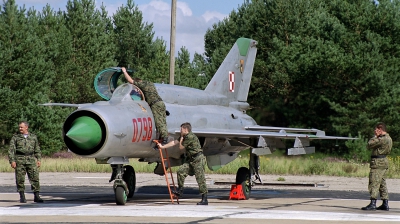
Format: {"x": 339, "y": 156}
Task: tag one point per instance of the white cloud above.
{"x": 190, "y": 30}
{"x": 184, "y": 7}
{"x": 213, "y": 15}
{"x": 160, "y": 6}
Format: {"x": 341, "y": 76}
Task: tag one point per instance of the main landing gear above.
{"x": 247, "y": 177}
{"x": 124, "y": 184}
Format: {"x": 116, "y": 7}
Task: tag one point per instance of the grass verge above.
{"x": 268, "y": 165}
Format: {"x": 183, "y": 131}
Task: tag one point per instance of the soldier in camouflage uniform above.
{"x": 155, "y": 102}
{"x": 380, "y": 146}
{"x": 194, "y": 161}
{"x": 24, "y": 156}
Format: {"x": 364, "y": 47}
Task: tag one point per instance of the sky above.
{"x": 193, "y": 17}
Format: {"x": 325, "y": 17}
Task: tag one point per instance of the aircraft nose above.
{"x": 85, "y": 132}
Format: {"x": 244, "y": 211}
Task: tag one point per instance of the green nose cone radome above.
{"x": 85, "y": 132}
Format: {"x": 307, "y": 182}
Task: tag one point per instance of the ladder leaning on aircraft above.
{"x": 168, "y": 171}
{"x": 122, "y": 127}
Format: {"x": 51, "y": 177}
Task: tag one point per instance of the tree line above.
{"x": 326, "y": 64}
{"x": 53, "y": 56}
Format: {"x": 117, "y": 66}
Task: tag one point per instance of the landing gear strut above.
{"x": 124, "y": 184}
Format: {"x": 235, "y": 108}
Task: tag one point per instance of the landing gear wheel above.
{"x": 130, "y": 179}
{"x": 243, "y": 178}
{"x": 120, "y": 196}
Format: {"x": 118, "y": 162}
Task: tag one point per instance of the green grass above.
{"x": 78, "y": 164}
{"x": 277, "y": 165}
{"x": 301, "y": 166}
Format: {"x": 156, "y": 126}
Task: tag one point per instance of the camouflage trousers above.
{"x": 377, "y": 184}
{"x": 33, "y": 175}
{"x": 160, "y": 119}
{"x": 194, "y": 167}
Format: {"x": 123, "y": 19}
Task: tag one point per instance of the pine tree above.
{"x": 198, "y": 67}
{"x": 133, "y": 37}
{"x": 93, "y": 49}
{"x": 24, "y": 77}
{"x": 58, "y": 52}
{"x": 136, "y": 48}
{"x": 331, "y": 65}
{"x": 182, "y": 67}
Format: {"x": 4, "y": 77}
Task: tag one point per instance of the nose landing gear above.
{"x": 124, "y": 184}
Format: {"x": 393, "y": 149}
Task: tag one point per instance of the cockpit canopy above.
{"x": 127, "y": 92}
{"x": 107, "y": 81}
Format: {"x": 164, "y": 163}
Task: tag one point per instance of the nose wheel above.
{"x": 124, "y": 184}
{"x": 120, "y": 195}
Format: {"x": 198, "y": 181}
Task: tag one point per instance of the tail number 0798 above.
{"x": 142, "y": 129}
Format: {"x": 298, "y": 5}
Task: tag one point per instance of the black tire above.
{"x": 243, "y": 178}
{"x": 130, "y": 179}
{"x": 120, "y": 195}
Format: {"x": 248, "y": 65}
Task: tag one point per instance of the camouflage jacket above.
{"x": 149, "y": 91}
{"x": 24, "y": 147}
{"x": 191, "y": 144}
{"x": 381, "y": 145}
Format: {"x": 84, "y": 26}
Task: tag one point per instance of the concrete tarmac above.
{"x": 89, "y": 198}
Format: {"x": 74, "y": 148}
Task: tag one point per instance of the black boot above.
{"x": 371, "y": 206}
{"x": 384, "y": 206}
{"x": 22, "y": 198}
{"x": 178, "y": 192}
{"x": 37, "y": 197}
{"x": 164, "y": 141}
{"x": 204, "y": 200}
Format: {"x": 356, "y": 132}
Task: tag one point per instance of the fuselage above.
{"x": 127, "y": 126}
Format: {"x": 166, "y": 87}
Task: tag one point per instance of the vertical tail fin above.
{"x": 233, "y": 77}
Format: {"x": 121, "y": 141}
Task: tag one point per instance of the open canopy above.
{"x": 107, "y": 81}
